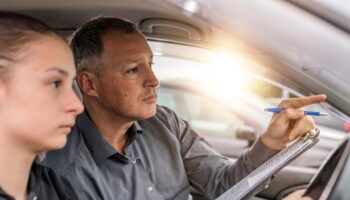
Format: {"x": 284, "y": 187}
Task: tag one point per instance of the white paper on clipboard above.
{"x": 248, "y": 185}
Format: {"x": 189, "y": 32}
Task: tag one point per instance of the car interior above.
{"x": 296, "y": 57}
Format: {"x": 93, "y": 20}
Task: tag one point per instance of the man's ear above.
{"x": 2, "y": 90}
{"x": 87, "y": 82}
{"x": 2, "y": 93}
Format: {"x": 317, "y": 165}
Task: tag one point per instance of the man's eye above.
{"x": 132, "y": 70}
{"x": 56, "y": 83}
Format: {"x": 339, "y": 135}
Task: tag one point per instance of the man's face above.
{"x": 127, "y": 85}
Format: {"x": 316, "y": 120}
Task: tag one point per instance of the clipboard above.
{"x": 254, "y": 182}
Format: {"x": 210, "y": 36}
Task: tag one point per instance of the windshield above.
{"x": 314, "y": 52}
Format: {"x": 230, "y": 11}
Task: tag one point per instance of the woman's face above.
{"x": 37, "y": 104}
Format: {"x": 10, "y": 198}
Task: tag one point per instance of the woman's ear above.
{"x": 87, "y": 82}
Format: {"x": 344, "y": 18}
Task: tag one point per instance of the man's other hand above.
{"x": 297, "y": 195}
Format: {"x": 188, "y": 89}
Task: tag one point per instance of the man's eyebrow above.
{"x": 59, "y": 70}
{"x": 136, "y": 60}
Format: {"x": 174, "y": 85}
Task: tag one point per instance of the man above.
{"x": 125, "y": 147}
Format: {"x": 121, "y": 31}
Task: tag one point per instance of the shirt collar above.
{"x": 4, "y": 195}
{"x": 34, "y": 180}
{"x": 133, "y": 131}
{"x": 33, "y": 187}
{"x": 97, "y": 145}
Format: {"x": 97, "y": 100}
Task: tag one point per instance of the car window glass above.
{"x": 167, "y": 98}
{"x": 205, "y": 116}
{"x": 274, "y": 94}
{"x": 200, "y": 108}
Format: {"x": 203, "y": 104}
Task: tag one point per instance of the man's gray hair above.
{"x": 87, "y": 42}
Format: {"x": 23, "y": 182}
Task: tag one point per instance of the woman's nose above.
{"x": 74, "y": 103}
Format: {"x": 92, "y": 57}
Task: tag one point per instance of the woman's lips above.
{"x": 67, "y": 128}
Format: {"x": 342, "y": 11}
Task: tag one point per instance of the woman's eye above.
{"x": 56, "y": 84}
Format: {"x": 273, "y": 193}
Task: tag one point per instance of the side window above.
{"x": 201, "y": 108}
{"x": 167, "y": 98}
{"x": 206, "y": 116}
{"x": 171, "y": 98}
{"x": 274, "y": 93}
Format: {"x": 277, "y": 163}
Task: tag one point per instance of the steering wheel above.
{"x": 325, "y": 176}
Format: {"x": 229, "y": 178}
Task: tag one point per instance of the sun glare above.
{"x": 221, "y": 74}
{"x": 227, "y": 76}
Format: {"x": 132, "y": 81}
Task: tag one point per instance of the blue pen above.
{"x": 306, "y": 112}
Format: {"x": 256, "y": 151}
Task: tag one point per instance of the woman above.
{"x": 37, "y": 106}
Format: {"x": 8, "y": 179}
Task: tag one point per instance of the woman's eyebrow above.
{"x": 59, "y": 70}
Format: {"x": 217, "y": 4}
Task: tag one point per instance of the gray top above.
{"x": 164, "y": 159}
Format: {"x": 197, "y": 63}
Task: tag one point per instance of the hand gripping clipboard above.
{"x": 251, "y": 184}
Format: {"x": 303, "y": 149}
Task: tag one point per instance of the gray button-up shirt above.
{"x": 164, "y": 159}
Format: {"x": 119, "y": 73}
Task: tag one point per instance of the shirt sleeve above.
{"x": 209, "y": 173}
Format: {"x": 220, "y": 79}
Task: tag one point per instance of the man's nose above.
{"x": 151, "y": 79}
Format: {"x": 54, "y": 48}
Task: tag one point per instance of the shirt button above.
{"x": 133, "y": 161}
{"x": 150, "y": 188}
{"x": 35, "y": 198}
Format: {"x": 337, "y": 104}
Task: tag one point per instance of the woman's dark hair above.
{"x": 16, "y": 31}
